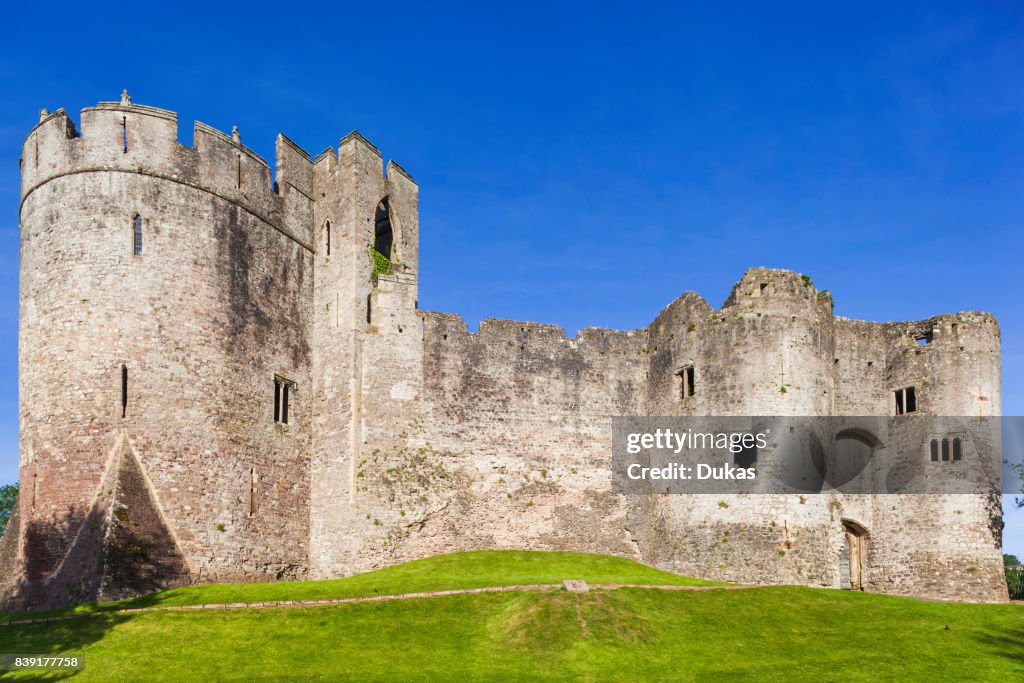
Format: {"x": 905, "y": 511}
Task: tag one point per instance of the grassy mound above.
{"x": 474, "y": 569}
{"x": 630, "y": 634}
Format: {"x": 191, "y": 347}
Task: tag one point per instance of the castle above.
{"x": 225, "y": 375}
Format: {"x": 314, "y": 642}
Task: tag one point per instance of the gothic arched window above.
{"x": 383, "y": 234}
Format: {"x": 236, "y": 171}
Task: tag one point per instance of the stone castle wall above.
{"x": 408, "y": 435}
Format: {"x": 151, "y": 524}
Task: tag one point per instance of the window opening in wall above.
{"x": 327, "y": 229}
{"x": 686, "y": 381}
{"x": 124, "y": 132}
{"x": 423, "y": 329}
{"x": 283, "y": 391}
{"x": 906, "y": 400}
{"x": 35, "y": 488}
{"x": 252, "y": 491}
{"x": 764, "y": 286}
{"x": 369, "y": 310}
{"x": 277, "y": 400}
{"x": 954, "y": 329}
{"x": 945, "y": 450}
{"x": 383, "y": 234}
{"x": 522, "y": 334}
{"x": 137, "y": 235}
{"x": 934, "y": 448}
{"x": 603, "y": 342}
{"x": 239, "y": 171}
{"x": 924, "y": 338}
{"x": 958, "y": 452}
{"x": 124, "y": 391}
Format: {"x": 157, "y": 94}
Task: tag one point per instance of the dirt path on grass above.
{"x": 363, "y": 598}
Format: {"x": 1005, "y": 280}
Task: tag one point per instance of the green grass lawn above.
{"x": 474, "y": 569}
{"x": 630, "y": 634}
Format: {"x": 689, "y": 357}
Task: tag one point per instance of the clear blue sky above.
{"x": 585, "y": 164}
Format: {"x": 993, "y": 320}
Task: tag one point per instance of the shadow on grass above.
{"x": 63, "y": 638}
{"x": 1008, "y": 644}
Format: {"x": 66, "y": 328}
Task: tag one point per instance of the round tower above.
{"x": 163, "y": 357}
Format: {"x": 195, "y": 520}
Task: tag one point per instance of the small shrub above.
{"x": 381, "y": 263}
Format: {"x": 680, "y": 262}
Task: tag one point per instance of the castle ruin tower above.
{"x": 367, "y": 353}
{"x": 164, "y": 299}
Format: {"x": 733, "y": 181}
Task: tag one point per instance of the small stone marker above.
{"x": 575, "y": 586}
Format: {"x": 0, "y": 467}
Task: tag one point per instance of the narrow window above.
{"x": 383, "y": 234}
{"x": 945, "y": 450}
{"x": 764, "y": 286}
{"x": 124, "y": 391}
{"x": 935, "y": 450}
{"x": 277, "y": 400}
{"x": 924, "y": 338}
{"x": 369, "y": 311}
{"x": 911, "y": 400}
{"x": 137, "y": 235}
{"x": 283, "y": 390}
{"x": 686, "y": 381}
{"x": 327, "y": 229}
{"x": 603, "y": 342}
{"x": 252, "y": 491}
{"x": 35, "y": 488}
{"x": 239, "y": 171}
{"x": 958, "y": 452}
{"x": 124, "y": 132}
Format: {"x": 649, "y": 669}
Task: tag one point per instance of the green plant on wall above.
{"x": 381, "y": 263}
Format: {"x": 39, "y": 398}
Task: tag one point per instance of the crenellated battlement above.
{"x": 123, "y": 137}
{"x": 130, "y": 138}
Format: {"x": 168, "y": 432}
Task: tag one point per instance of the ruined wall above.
{"x": 217, "y": 302}
{"x": 764, "y": 352}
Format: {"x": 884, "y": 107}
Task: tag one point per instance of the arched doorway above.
{"x": 854, "y": 553}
